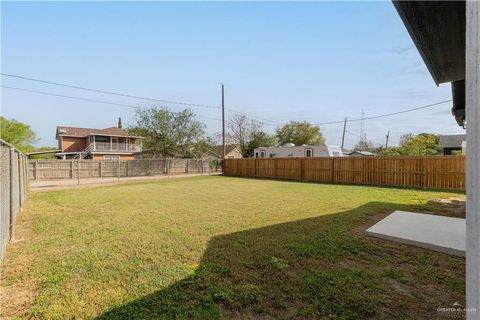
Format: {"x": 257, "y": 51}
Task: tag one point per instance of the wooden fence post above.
{"x": 127, "y": 168}
{"x": 26, "y": 170}
{"x": 26, "y": 173}
{"x": 118, "y": 169}
{"x": 12, "y": 212}
{"x": 100, "y": 165}
{"x": 71, "y": 169}
{"x": 20, "y": 182}
{"x": 424, "y": 179}
{"x": 276, "y": 168}
{"x": 302, "y": 169}
{"x": 78, "y": 171}
{"x": 333, "y": 170}
{"x": 254, "y": 167}
{"x": 35, "y": 173}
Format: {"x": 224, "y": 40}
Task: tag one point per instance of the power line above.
{"x": 265, "y": 121}
{"x": 71, "y": 97}
{"x": 129, "y": 106}
{"x": 135, "y": 96}
{"x": 89, "y": 100}
{"x": 109, "y": 92}
{"x": 374, "y": 117}
{"x": 209, "y": 118}
{"x": 359, "y": 136}
{"x": 388, "y": 114}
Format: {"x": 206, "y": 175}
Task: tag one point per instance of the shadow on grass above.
{"x": 323, "y": 267}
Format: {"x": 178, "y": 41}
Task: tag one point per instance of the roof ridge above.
{"x": 79, "y": 131}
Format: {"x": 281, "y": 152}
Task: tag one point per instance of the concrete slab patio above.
{"x": 443, "y": 234}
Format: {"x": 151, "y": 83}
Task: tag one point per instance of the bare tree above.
{"x": 217, "y": 136}
{"x": 242, "y": 131}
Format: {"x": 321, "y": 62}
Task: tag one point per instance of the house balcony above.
{"x": 116, "y": 147}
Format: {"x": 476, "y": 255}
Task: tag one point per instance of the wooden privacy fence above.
{"x": 70, "y": 169}
{"x": 442, "y": 172}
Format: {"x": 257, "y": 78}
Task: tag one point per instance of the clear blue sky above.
{"x": 317, "y": 61}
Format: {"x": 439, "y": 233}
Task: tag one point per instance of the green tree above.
{"x": 300, "y": 133}
{"x": 423, "y": 144}
{"x": 420, "y": 145}
{"x": 119, "y": 125}
{"x": 260, "y": 139}
{"x": 392, "y": 152}
{"x": 18, "y": 134}
{"x": 168, "y": 133}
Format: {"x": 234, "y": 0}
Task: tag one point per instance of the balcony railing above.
{"x": 116, "y": 147}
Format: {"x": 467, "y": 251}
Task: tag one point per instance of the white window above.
{"x": 308, "y": 153}
{"x": 262, "y": 154}
{"x": 115, "y": 157}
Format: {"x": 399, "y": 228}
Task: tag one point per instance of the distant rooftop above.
{"x": 218, "y": 150}
{"x": 452, "y": 141}
{"x": 84, "y": 132}
{"x": 364, "y": 153}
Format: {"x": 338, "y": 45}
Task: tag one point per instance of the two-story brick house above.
{"x": 99, "y": 144}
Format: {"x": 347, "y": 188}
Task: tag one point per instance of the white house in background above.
{"x": 291, "y": 151}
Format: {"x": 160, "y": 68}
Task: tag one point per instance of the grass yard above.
{"x": 219, "y": 247}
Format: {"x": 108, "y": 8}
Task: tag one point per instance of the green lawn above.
{"x": 219, "y": 247}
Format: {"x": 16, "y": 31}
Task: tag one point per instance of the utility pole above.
{"x": 223, "y": 122}
{"x": 363, "y": 135}
{"x": 344, "y": 129}
{"x": 386, "y": 142}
